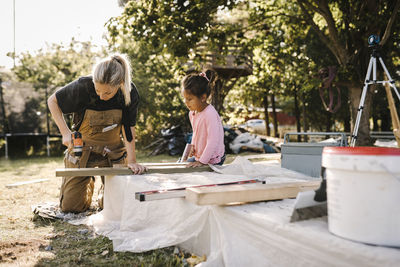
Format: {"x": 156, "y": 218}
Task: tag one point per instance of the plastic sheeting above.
{"x": 257, "y": 234}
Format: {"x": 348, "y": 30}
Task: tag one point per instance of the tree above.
{"x": 333, "y": 33}
{"x": 5, "y": 128}
{"x": 57, "y": 66}
{"x": 174, "y": 27}
{"x": 282, "y": 68}
{"x": 187, "y": 31}
{"x": 343, "y": 27}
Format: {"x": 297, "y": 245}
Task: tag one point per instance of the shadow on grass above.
{"x": 78, "y": 245}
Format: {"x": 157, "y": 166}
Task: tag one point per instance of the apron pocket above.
{"x": 71, "y": 161}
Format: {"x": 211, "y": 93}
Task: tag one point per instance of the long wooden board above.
{"x": 163, "y": 163}
{"x": 247, "y": 193}
{"x": 393, "y": 113}
{"x": 26, "y": 182}
{"x": 180, "y": 191}
{"x": 126, "y": 171}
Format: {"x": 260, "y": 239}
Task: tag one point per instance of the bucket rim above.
{"x": 364, "y": 150}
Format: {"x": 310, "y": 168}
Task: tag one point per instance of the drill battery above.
{"x": 77, "y": 143}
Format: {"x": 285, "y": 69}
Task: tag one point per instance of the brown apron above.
{"x": 103, "y": 147}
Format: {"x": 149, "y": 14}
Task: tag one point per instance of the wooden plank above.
{"x": 126, "y": 171}
{"x": 269, "y": 156}
{"x": 163, "y": 163}
{"x": 158, "y": 164}
{"x": 393, "y": 113}
{"x": 248, "y": 192}
{"x": 180, "y": 191}
{"x": 151, "y": 164}
{"x": 26, "y": 182}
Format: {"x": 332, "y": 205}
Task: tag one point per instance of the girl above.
{"x": 103, "y": 106}
{"x": 208, "y": 134}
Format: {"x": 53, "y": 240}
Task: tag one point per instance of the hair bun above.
{"x": 116, "y": 58}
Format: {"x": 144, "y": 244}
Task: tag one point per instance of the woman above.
{"x": 103, "y": 106}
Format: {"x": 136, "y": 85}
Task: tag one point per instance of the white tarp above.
{"x": 257, "y": 234}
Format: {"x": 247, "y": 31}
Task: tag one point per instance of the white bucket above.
{"x": 363, "y": 190}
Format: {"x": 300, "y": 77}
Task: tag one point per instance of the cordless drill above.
{"x": 77, "y": 143}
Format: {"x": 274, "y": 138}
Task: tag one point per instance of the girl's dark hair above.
{"x": 200, "y": 83}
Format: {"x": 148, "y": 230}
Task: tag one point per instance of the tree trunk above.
{"x": 216, "y": 97}
{"x": 346, "y": 123}
{"x": 328, "y": 122}
{"x": 220, "y": 91}
{"x": 3, "y": 109}
{"x": 266, "y": 113}
{"x": 47, "y": 113}
{"x": 363, "y": 135}
{"x": 305, "y": 120}
{"x": 297, "y": 114}
{"x": 385, "y": 121}
{"x": 275, "y": 118}
{"x": 375, "y": 128}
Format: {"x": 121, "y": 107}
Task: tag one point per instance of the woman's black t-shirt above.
{"x": 80, "y": 95}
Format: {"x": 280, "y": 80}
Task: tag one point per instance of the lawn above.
{"x": 28, "y": 240}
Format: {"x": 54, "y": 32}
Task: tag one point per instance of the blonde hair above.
{"x": 115, "y": 71}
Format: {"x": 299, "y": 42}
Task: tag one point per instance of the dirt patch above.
{"x": 17, "y": 252}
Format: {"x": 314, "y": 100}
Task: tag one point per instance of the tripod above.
{"x": 371, "y": 66}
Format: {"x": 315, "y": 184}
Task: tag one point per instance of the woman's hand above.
{"x": 194, "y": 164}
{"x": 137, "y": 168}
{"x": 67, "y": 139}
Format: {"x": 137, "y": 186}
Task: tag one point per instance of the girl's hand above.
{"x": 137, "y": 168}
{"x": 191, "y": 153}
{"x": 194, "y": 164}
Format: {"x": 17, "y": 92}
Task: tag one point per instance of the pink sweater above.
{"x": 208, "y": 135}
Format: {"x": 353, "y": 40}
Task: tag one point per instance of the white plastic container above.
{"x": 363, "y": 189}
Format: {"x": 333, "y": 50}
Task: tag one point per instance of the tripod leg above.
{"x": 372, "y": 63}
{"x": 359, "y": 113}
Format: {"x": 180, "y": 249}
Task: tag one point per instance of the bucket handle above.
{"x": 389, "y": 171}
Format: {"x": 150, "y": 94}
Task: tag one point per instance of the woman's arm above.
{"x": 59, "y": 119}
{"x": 131, "y": 153}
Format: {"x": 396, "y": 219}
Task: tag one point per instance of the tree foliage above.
{"x": 295, "y": 39}
{"x": 157, "y": 77}
{"x": 343, "y": 27}
{"x": 57, "y": 66}
{"x": 169, "y": 26}
{"x": 165, "y": 40}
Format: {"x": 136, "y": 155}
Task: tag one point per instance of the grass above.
{"x": 28, "y": 240}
